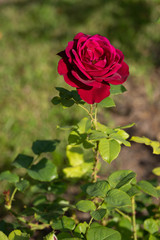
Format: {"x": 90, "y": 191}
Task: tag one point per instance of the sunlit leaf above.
{"x": 156, "y": 171}
{"x": 3, "y": 236}
{"x": 109, "y": 149}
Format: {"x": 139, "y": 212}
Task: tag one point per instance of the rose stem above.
{"x": 134, "y": 218}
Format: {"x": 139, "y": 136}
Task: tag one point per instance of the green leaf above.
{"x": 50, "y": 236}
{"x": 56, "y": 100}
{"x": 107, "y": 102}
{"x": 104, "y": 129}
{"x": 116, "y": 177}
{"x": 67, "y": 236}
{"x": 81, "y": 228}
{"x": 84, "y": 125}
{"x": 22, "y": 185}
{"x": 76, "y": 96}
{"x": 117, "y": 199}
{"x": 109, "y": 149}
{"x": 18, "y": 235}
{"x": 133, "y": 191}
{"x": 64, "y": 93}
{"x": 102, "y": 233}
{"x": 127, "y": 126}
{"x": 147, "y": 188}
{"x": 99, "y": 214}
{"x": 85, "y": 206}
{"x": 122, "y": 133}
{"x": 67, "y": 102}
{"x": 119, "y": 139}
{"x": 76, "y": 138}
{"x": 3, "y": 236}
{"x": 23, "y": 161}
{"x": 44, "y": 170}
{"x": 63, "y": 223}
{"x": 156, "y": 147}
{"x": 44, "y": 146}
{"x": 156, "y": 171}
{"x": 74, "y": 155}
{"x": 117, "y": 89}
{"x": 151, "y": 226}
{"x": 154, "y": 144}
{"x": 98, "y": 189}
{"x": 9, "y": 177}
{"x": 125, "y": 180}
{"x": 96, "y": 135}
{"x": 88, "y": 144}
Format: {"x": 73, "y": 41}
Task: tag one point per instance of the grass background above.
{"x": 33, "y": 31}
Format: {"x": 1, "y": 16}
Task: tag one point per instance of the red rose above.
{"x": 91, "y": 64}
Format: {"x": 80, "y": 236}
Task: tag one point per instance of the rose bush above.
{"x": 91, "y": 64}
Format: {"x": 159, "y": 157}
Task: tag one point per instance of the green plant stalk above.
{"x": 95, "y": 168}
{"x": 9, "y": 204}
{"x": 134, "y": 218}
{"x": 123, "y": 214}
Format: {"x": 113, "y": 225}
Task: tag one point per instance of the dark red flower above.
{"x": 91, "y": 64}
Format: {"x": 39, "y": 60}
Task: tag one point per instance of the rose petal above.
{"x": 62, "y": 67}
{"x": 87, "y": 82}
{"x": 68, "y": 50}
{"x": 94, "y": 95}
{"x": 119, "y": 77}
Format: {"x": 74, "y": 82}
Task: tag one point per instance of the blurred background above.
{"x": 33, "y": 31}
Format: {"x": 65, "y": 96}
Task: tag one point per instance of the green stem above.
{"x": 87, "y": 112}
{"x": 9, "y": 205}
{"x": 134, "y": 219}
{"x": 95, "y": 168}
{"x": 123, "y": 214}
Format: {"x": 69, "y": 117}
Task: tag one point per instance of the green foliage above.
{"x": 44, "y": 146}
{"x": 97, "y": 189}
{"x": 3, "y": 236}
{"x": 9, "y": 177}
{"x": 117, "y": 89}
{"x": 63, "y": 223}
{"x": 151, "y": 226}
{"x": 18, "y": 235}
{"x": 44, "y": 170}
{"x": 22, "y": 161}
{"x": 147, "y": 188}
{"x": 107, "y": 103}
{"x": 85, "y": 206}
{"x": 117, "y": 199}
{"x": 156, "y": 171}
{"x": 109, "y": 149}
{"x": 154, "y": 144}
{"x": 102, "y": 233}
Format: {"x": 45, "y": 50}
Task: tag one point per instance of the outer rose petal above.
{"x": 94, "y": 95}
{"x": 62, "y": 68}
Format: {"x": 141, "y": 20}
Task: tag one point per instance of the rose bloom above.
{"x": 91, "y": 64}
